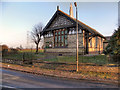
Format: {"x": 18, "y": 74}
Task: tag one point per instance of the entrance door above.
{"x": 87, "y": 41}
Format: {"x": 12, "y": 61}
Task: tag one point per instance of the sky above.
{"x": 18, "y": 18}
{"x": 119, "y": 13}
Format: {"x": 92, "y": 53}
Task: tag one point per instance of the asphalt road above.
{"x": 16, "y": 79}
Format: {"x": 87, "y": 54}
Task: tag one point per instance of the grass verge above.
{"x": 97, "y": 76}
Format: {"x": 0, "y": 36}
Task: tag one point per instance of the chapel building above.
{"x": 60, "y": 36}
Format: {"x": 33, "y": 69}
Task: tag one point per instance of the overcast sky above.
{"x": 20, "y": 17}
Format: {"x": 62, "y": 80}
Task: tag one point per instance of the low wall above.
{"x": 64, "y": 51}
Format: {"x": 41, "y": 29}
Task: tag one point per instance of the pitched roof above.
{"x": 74, "y": 20}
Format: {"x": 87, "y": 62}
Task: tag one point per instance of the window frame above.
{"x": 96, "y": 42}
{"x": 59, "y": 34}
{"x": 91, "y": 43}
{"x": 101, "y": 42}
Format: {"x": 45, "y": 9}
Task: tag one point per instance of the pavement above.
{"x": 21, "y": 80}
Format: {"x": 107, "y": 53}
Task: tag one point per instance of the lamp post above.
{"x": 76, "y": 38}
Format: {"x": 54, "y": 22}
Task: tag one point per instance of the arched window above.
{"x": 80, "y": 31}
{"x": 70, "y": 32}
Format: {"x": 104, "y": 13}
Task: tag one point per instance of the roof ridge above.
{"x": 81, "y": 22}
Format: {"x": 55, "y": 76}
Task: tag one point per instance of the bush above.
{"x": 27, "y": 58}
{"x": 115, "y": 58}
{"x": 12, "y": 50}
{"x": 113, "y": 46}
{"x": 4, "y": 52}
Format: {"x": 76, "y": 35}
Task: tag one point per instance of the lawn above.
{"x": 19, "y": 56}
{"x": 95, "y": 59}
{"x": 99, "y": 59}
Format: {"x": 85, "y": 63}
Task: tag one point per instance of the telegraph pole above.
{"x": 27, "y": 40}
{"x": 76, "y": 37}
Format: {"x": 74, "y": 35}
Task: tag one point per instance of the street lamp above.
{"x": 76, "y": 38}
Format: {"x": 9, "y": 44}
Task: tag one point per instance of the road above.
{"x": 16, "y": 79}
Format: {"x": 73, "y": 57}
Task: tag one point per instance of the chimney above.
{"x": 57, "y": 7}
{"x": 71, "y": 10}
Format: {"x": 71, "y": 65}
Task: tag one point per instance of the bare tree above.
{"x": 36, "y": 35}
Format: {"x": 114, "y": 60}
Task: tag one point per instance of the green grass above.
{"x": 13, "y": 56}
{"x": 22, "y": 55}
{"x": 62, "y": 59}
{"x": 98, "y": 59}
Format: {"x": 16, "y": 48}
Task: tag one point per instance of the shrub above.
{"x": 115, "y": 58}
{"x": 4, "y": 52}
{"x": 12, "y": 50}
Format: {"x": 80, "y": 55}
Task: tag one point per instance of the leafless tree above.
{"x": 36, "y": 35}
